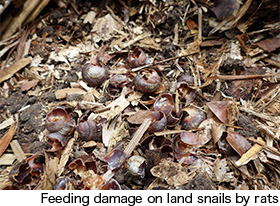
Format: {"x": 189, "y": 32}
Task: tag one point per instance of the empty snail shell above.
{"x": 112, "y": 184}
{"x": 94, "y": 75}
{"x": 193, "y": 118}
{"x": 184, "y": 147}
{"x": 59, "y": 120}
{"x": 137, "y": 58}
{"x": 165, "y": 103}
{"x": 89, "y": 130}
{"x": 147, "y": 81}
{"x": 119, "y": 80}
{"x": 159, "y": 122}
{"x": 187, "y": 79}
{"x": 136, "y": 165}
{"x": 115, "y": 158}
{"x": 63, "y": 183}
{"x": 29, "y": 171}
{"x": 57, "y": 141}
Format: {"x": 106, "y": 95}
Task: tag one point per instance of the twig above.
{"x": 240, "y": 77}
{"x": 160, "y": 62}
{"x": 199, "y": 23}
{"x": 130, "y": 147}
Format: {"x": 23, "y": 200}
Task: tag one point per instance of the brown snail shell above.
{"x": 193, "y": 118}
{"x": 95, "y": 75}
{"x": 89, "y": 130}
{"x": 165, "y": 103}
{"x": 159, "y": 122}
{"x": 184, "y": 147}
{"x": 147, "y": 81}
{"x": 56, "y": 140}
{"x": 59, "y": 120}
{"x": 29, "y": 171}
{"x": 137, "y": 57}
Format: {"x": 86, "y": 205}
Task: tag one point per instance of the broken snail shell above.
{"x": 89, "y": 130}
{"x": 95, "y": 75}
{"x": 83, "y": 163}
{"x": 184, "y": 147}
{"x": 165, "y": 103}
{"x": 185, "y": 92}
{"x": 59, "y": 120}
{"x": 119, "y": 80}
{"x": 186, "y": 79}
{"x": 56, "y": 140}
{"x": 159, "y": 122}
{"x": 116, "y": 157}
{"x": 147, "y": 81}
{"x": 137, "y": 57}
{"x": 29, "y": 171}
{"x": 193, "y": 118}
{"x": 63, "y": 183}
{"x": 136, "y": 165}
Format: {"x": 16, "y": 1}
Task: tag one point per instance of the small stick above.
{"x": 199, "y": 23}
{"x": 240, "y": 77}
{"x": 130, "y": 147}
{"x": 160, "y": 62}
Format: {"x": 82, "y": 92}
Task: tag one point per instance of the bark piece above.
{"x": 10, "y": 71}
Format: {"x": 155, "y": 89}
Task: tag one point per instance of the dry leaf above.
{"x": 205, "y": 131}
{"x": 217, "y": 132}
{"x": 219, "y": 108}
{"x": 89, "y": 144}
{"x": 7, "y": 123}
{"x": 48, "y": 179}
{"x": 106, "y": 26}
{"x": 115, "y": 107}
{"x": 238, "y": 143}
{"x": 140, "y": 116}
{"x": 270, "y": 44}
{"x": 225, "y": 8}
{"x": 220, "y": 169}
{"x": 89, "y": 17}
{"x": 6, "y": 139}
{"x": 66, "y": 154}
{"x": 17, "y": 150}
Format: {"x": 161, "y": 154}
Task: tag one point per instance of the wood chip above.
{"x": 50, "y": 171}
{"x": 17, "y": 150}
{"x": 7, "y": 159}
{"x": 250, "y": 154}
{"x": 7, "y": 123}
{"x": 63, "y": 93}
{"x": 26, "y": 85}
{"x": 65, "y": 155}
{"x": 11, "y": 70}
